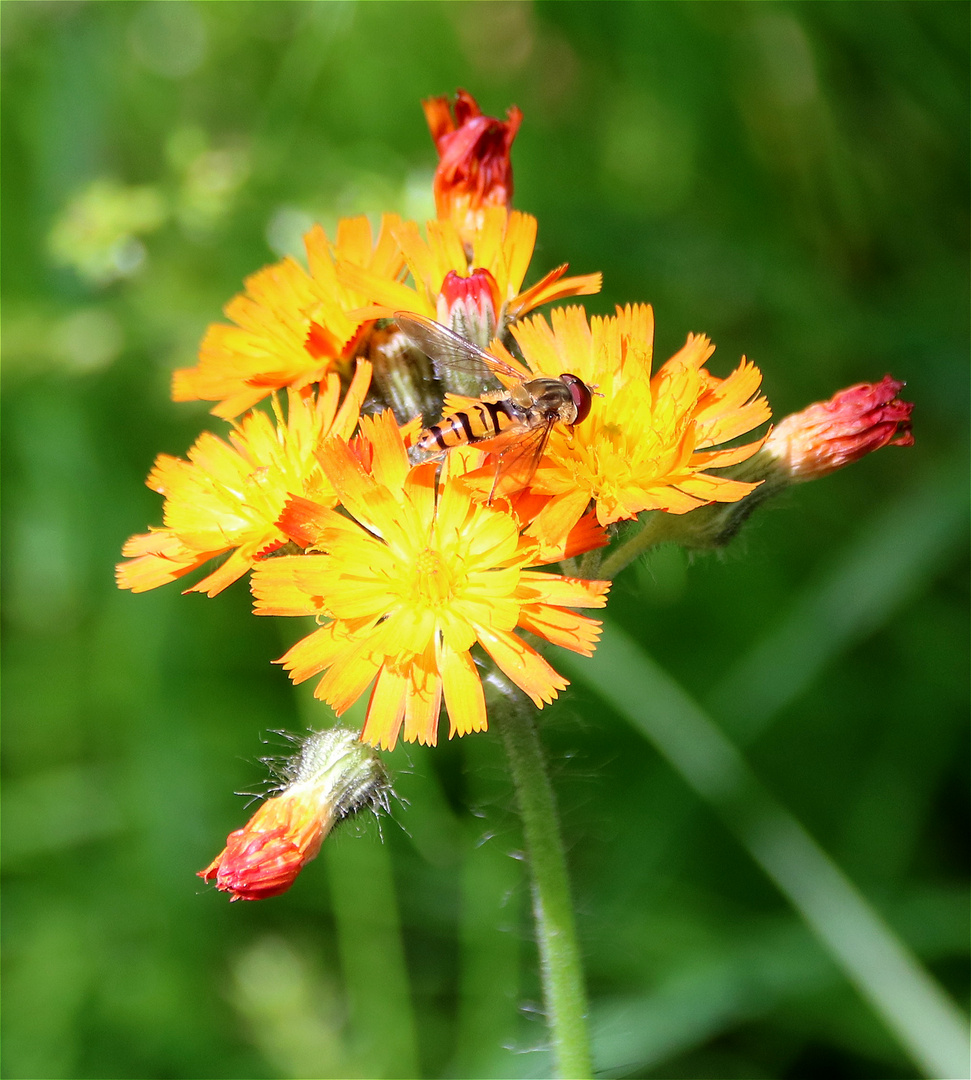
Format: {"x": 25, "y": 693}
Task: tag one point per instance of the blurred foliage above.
{"x": 791, "y": 179}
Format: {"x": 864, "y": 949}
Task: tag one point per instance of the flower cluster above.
{"x": 384, "y": 493}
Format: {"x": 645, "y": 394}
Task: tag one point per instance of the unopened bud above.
{"x": 804, "y": 446}
{"x": 830, "y": 434}
{"x": 334, "y": 776}
{"x": 470, "y": 306}
{"x": 402, "y": 380}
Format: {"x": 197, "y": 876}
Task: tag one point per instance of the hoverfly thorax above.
{"x": 566, "y": 399}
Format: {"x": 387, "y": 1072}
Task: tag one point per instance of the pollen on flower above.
{"x": 651, "y": 437}
{"x": 434, "y": 584}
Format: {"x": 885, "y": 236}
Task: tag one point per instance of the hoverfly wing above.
{"x": 449, "y": 351}
{"x": 519, "y": 454}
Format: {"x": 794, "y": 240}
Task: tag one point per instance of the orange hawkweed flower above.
{"x": 830, "y": 434}
{"x": 474, "y": 167}
{"x": 477, "y": 294}
{"x": 229, "y": 496}
{"x": 649, "y": 440}
{"x": 333, "y": 777}
{"x": 290, "y": 327}
{"x": 411, "y": 579}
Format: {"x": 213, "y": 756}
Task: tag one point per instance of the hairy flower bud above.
{"x": 333, "y": 777}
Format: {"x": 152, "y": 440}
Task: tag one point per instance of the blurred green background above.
{"x": 791, "y": 179}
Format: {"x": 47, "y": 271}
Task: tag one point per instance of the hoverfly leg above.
{"x": 495, "y": 481}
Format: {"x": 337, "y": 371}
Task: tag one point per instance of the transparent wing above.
{"x": 518, "y": 457}
{"x": 450, "y": 352}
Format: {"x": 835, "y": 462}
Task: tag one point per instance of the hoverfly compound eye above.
{"x": 581, "y": 394}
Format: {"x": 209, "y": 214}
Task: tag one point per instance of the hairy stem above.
{"x": 560, "y": 968}
{"x": 654, "y": 531}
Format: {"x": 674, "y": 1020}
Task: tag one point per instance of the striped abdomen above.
{"x": 481, "y": 421}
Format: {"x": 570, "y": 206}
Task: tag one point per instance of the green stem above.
{"x": 654, "y": 531}
{"x": 589, "y": 566}
{"x": 560, "y": 969}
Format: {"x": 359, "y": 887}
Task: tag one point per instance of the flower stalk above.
{"x": 561, "y": 972}
{"x": 654, "y": 531}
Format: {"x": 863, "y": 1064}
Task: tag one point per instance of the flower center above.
{"x": 433, "y": 582}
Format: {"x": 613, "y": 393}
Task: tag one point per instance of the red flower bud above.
{"x": 470, "y": 305}
{"x": 264, "y": 857}
{"x": 830, "y": 434}
{"x": 474, "y": 169}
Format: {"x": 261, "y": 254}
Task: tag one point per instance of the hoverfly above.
{"x": 516, "y": 424}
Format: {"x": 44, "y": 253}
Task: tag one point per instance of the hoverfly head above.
{"x": 582, "y": 395}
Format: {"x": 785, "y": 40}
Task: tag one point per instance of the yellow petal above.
{"x": 423, "y": 699}
{"x": 564, "y": 628}
{"x": 386, "y": 709}
{"x": 537, "y": 586}
{"x": 390, "y": 465}
{"x": 518, "y": 247}
{"x": 464, "y": 699}
{"x": 527, "y": 669}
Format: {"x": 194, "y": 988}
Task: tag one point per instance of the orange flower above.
{"x": 649, "y": 440}
{"x": 830, "y": 434}
{"x": 415, "y": 576}
{"x": 228, "y": 496}
{"x": 333, "y": 776}
{"x": 477, "y": 295}
{"x": 474, "y": 169}
{"x": 291, "y": 327}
